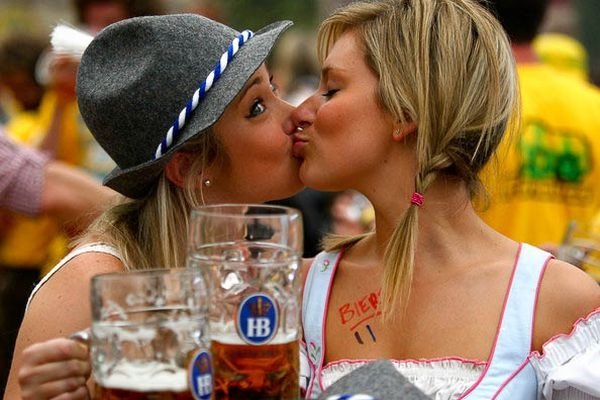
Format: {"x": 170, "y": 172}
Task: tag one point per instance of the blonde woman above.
{"x": 227, "y": 144}
{"x": 415, "y": 96}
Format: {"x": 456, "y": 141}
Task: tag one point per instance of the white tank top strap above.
{"x": 88, "y": 248}
{"x": 315, "y": 299}
{"x": 514, "y": 337}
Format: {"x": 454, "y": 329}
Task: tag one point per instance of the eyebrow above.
{"x": 256, "y": 81}
{"x": 326, "y": 71}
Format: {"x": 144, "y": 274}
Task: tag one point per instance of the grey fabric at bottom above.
{"x": 379, "y": 379}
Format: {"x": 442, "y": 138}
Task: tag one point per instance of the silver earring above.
{"x": 299, "y": 129}
{"x": 207, "y": 183}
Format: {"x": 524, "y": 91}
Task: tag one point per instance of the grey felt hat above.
{"x": 376, "y": 380}
{"x": 138, "y": 74}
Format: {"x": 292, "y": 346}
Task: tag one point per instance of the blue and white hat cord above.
{"x": 200, "y": 93}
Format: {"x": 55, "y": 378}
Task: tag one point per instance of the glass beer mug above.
{"x": 149, "y": 337}
{"x": 581, "y": 246}
{"x": 250, "y": 255}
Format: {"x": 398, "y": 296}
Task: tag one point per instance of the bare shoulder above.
{"x": 62, "y": 304}
{"x": 566, "y": 294}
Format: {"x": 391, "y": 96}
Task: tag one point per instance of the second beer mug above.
{"x": 254, "y": 319}
{"x": 149, "y": 335}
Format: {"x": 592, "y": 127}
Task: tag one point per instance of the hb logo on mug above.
{"x": 200, "y": 376}
{"x": 258, "y": 319}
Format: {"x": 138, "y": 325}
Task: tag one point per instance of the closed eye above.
{"x": 329, "y": 94}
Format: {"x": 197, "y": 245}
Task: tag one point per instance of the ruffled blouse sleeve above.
{"x": 570, "y": 365}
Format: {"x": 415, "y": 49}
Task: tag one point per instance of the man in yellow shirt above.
{"x": 547, "y": 174}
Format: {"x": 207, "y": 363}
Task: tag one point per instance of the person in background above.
{"x": 223, "y": 151}
{"x": 19, "y": 55}
{"x": 351, "y": 214}
{"x": 29, "y": 243}
{"x": 95, "y": 15}
{"x": 562, "y": 52}
{"x": 32, "y": 184}
{"x": 415, "y": 97}
{"x": 547, "y": 174}
{"x": 212, "y": 9}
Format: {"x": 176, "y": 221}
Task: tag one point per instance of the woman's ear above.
{"x": 178, "y": 167}
{"x": 401, "y": 130}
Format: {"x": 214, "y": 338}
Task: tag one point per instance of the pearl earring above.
{"x": 207, "y": 183}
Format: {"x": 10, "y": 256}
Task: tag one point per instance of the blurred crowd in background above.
{"x": 38, "y": 106}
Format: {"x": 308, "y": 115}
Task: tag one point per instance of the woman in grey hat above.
{"x": 185, "y": 107}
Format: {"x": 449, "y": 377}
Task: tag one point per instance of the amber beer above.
{"x": 248, "y": 372}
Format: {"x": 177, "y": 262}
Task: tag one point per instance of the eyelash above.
{"x": 329, "y": 94}
{"x": 259, "y": 101}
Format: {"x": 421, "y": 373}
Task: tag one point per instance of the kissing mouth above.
{"x": 298, "y": 144}
{"x": 297, "y": 138}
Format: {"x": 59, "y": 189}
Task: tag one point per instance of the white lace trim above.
{"x": 442, "y": 379}
{"x": 571, "y": 363}
{"x": 562, "y": 348}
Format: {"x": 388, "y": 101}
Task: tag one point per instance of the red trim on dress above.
{"x": 511, "y": 377}
{"x": 493, "y": 351}
{"x": 537, "y": 297}
{"x": 325, "y": 312}
{"x": 537, "y": 354}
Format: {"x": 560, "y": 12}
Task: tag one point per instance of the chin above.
{"x": 293, "y": 189}
{"x": 319, "y": 181}
{"x": 287, "y": 188}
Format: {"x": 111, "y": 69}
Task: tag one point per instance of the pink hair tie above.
{"x": 417, "y": 199}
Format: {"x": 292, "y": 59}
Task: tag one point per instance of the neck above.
{"x": 524, "y": 53}
{"x": 448, "y": 225}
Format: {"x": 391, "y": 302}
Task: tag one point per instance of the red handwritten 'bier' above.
{"x": 366, "y": 306}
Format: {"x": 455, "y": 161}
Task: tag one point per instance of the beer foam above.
{"x": 148, "y": 377}
{"x": 233, "y": 338}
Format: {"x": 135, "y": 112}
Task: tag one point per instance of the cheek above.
{"x": 262, "y": 154}
{"x": 329, "y": 115}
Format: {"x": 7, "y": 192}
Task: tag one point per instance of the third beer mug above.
{"x": 254, "y": 307}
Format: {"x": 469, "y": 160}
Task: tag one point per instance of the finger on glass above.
{"x": 54, "y": 367}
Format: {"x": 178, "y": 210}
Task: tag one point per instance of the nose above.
{"x": 302, "y": 116}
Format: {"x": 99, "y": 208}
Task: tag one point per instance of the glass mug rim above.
{"x": 219, "y": 210}
{"x": 140, "y": 273}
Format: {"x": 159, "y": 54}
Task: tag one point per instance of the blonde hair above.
{"x": 446, "y": 65}
{"x": 151, "y": 232}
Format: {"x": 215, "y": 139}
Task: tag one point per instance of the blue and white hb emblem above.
{"x": 200, "y": 376}
{"x": 257, "y": 319}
